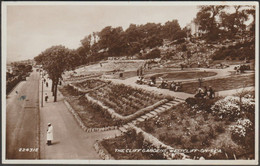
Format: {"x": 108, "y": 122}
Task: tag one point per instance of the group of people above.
{"x": 176, "y": 86}
{"x": 205, "y": 93}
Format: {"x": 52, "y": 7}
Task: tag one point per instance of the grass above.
{"x": 184, "y": 75}
{"x": 184, "y": 128}
{"x": 91, "y": 114}
{"x": 232, "y": 82}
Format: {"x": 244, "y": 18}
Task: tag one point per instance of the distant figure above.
{"x": 178, "y": 86}
{"x": 22, "y": 98}
{"x": 44, "y": 80}
{"x": 205, "y": 92}
{"x": 211, "y": 93}
{"x": 199, "y": 93}
{"x": 49, "y": 134}
{"x": 16, "y": 92}
{"x": 172, "y": 86}
{"x": 47, "y": 84}
{"x": 46, "y": 97}
{"x": 100, "y": 64}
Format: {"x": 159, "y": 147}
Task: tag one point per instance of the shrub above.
{"x": 220, "y": 128}
{"x": 194, "y": 138}
{"x": 212, "y": 133}
{"x": 177, "y": 140}
{"x": 149, "y": 128}
{"x": 191, "y": 101}
{"x": 229, "y": 107}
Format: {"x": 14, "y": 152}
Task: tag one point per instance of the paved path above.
{"x": 22, "y": 119}
{"x": 70, "y": 141}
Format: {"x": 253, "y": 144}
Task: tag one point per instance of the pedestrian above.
{"x": 49, "y": 134}
{"x": 47, "y": 84}
{"x": 46, "y": 97}
{"x": 16, "y": 92}
{"x": 211, "y": 93}
{"x": 44, "y": 80}
{"x": 205, "y": 91}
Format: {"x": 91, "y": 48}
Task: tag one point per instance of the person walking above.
{"x": 46, "y": 97}
{"x": 47, "y": 84}
{"x": 49, "y": 134}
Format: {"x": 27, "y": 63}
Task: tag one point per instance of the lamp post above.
{"x": 42, "y": 93}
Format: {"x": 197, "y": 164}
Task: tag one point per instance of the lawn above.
{"x": 183, "y": 75}
{"x": 232, "y": 82}
{"x": 187, "y": 127}
{"x": 91, "y": 114}
{"x": 125, "y": 100}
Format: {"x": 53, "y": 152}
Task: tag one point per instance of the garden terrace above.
{"x": 196, "y": 126}
{"x": 91, "y": 114}
{"x": 125, "y": 100}
{"x": 90, "y": 84}
{"x": 220, "y": 84}
{"x": 130, "y": 141}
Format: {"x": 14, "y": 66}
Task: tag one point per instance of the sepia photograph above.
{"x": 130, "y": 82}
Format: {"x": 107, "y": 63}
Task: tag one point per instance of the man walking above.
{"x": 49, "y": 134}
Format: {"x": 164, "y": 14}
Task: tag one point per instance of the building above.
{"x": 193, "y": 29}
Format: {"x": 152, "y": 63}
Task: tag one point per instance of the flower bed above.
{"x": 196, "y": 127}
{"x": 123, "y": 99}
{"x": 119, "y": 147}
{"x": 90, "y": 113}
{"x": 89, "y": 84}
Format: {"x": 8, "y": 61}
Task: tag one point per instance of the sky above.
{"x": 32, "y": 29}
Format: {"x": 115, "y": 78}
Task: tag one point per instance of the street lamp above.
{"x": 42, "y": 93}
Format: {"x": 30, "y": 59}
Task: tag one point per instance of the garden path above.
{"x": 70, "y": 141}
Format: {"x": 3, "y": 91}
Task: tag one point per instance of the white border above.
{"x": 152, "y": 162}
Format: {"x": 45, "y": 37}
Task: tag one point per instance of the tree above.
{"x": 55, "y": 60}
{"x": 234, "y": 23}
{"x": 206, "y": 18}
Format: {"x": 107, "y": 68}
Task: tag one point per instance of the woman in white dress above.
{"x": 49, "y": 134}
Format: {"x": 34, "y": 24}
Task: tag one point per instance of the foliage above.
{"x": 55, "y": 60}
{"x": 239, "y": 51}
{"x": 243, "y": 133}
{"x": 229, "y": 107}
{"x": 153, "y": 54}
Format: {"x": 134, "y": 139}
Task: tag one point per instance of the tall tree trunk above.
{"x": 52, "y": 86}
{"x": 56, "y": 89}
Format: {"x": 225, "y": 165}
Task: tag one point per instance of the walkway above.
{"x": 70, "y": 141}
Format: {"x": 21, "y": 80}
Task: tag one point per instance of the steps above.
{"x": 150, "y": 115}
